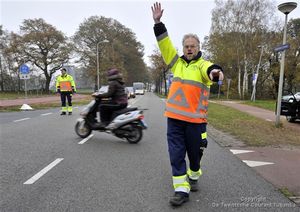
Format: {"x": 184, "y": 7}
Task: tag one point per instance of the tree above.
{"x": 159, "y": 70}
{"x": 292, "y": 65}
{"x": 238, "y": 27}
{"x": 42, "y": 45}
{"x": 122, "y": 50}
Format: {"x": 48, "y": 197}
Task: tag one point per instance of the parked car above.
{"x": 291, "y": 97}
{"x": 290, "y": 107}
{"x": 131, "y": 93}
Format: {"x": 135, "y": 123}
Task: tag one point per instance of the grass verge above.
{"x": 249, "y": 129}
{"x": 286, "y": 192}
{"x": 265, "y": 104}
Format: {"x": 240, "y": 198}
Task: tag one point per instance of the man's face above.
{"x": 63, "y": 72}
{"x": 190, "y": 48}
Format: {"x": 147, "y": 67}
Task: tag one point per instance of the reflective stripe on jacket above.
{"x": 189, "y": 91}
{"x": 65, "y": 83}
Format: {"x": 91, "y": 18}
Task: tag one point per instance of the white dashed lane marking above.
{"x": 43, "y": 171}
{"x": 24, "y": 119}
{"x": 86, "y": 139}
{"x": 46, "y": 114}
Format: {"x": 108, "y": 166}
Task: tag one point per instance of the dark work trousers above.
{"x": 106, "y": 110}
{"x": 185, "y": 138}
{"x": 63, "y": 96}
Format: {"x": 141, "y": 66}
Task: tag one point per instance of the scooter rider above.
{"x": 116, "y": 92}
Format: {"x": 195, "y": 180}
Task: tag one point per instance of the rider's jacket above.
{"x": 65, "y": 83}
{"x": 189, "y": 91}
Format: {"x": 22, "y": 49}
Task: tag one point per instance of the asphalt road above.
{"x": 109, "y": 174}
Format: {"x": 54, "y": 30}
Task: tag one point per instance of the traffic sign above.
{"x": 24, "y": 69}
{"x": 24, "y": 76}
{"x": 282, "y": 47}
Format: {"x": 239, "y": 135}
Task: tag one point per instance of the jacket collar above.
{"x": 195, "y": 58}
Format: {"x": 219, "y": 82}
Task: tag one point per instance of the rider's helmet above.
{"x": 112, "y": 72}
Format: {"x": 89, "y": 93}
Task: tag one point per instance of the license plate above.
{"x": 144, "y": 124}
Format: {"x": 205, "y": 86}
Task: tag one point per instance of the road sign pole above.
{"x": 25, "y": 88}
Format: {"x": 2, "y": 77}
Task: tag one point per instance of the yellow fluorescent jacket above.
{"x": 189, "y": 91}
{"x": 65, "y": 83}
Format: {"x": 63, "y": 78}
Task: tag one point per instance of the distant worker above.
{"x": 186, "y": 107}
{"x": 65, "y": 86}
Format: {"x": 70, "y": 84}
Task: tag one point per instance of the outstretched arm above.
{"x": 157, "y": 12}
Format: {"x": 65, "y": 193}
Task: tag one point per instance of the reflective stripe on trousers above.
{"x": 180, "y": 183}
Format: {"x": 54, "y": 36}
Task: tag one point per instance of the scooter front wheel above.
{"x": 82, "y": 130}
{"x": 136, "y": 135}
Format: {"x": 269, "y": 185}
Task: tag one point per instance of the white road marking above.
{"x": 21, "y": 119}
{"x": 268, "y": 119}
{"x": 86, "y": 139}
{"x": 46, "y": 114}
{"x": 253, "y": 163}
{"x": 43, "y": 171}
{"x": 76, "y": 107}
{"x": 239, "y": 151}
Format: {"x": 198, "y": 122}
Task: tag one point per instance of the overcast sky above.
{"x": 180, "y": 16}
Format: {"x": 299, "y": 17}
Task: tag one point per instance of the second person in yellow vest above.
{"x": 65, "y": 86}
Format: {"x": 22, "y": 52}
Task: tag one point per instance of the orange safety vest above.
{"x": 65, "y": 83}
{"x": 187, "y": 101}
{"x": 65, "y": 86}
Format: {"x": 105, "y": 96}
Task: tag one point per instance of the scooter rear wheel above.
{"x": 82, "y": 130}
{"x": 135, "y": 135}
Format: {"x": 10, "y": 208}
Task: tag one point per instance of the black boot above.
{"x": 99, "y": 126}
{"x": 70, "y": 113}
{"x": 63, "y": 113}
{"x": 179, "y": 198}
{"x": 194, "y": 185}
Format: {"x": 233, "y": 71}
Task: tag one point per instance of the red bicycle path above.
{"x": 283, "y": 170}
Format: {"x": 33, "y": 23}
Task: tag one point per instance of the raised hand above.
{"x": 157, "y": 12}
{"x": 216, "y": 73}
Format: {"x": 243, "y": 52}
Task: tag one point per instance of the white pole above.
{"x": 25, "y": 88}
{"x": 98, "y": 67}
{"x": 277, "y": 123}
{"x": 255, "y": 80}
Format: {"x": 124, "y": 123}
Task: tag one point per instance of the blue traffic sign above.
{"x": 24, "y": 69}
{"x": 282, "y": 47}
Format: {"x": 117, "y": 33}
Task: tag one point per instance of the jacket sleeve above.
{"x": 57, "y": 86}
{"x": 72, "y": 83}
{"x": 166, "y": 46}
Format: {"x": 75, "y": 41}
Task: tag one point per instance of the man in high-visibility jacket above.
{"x": 186, "y": 106}
{"x": 65, "y": 86}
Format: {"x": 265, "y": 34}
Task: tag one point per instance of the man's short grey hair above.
{"x": 190, "y": 35}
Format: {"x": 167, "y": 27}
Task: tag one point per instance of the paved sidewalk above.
{"x": 29, "y": 101}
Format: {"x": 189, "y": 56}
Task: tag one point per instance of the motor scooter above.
{"x": 127, "y": 123}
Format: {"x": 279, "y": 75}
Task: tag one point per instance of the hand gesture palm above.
{"x": 157, "y": 12}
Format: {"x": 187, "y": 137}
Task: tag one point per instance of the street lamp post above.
{"x": 285, "y": 8}
{"x": 256, "y": 75}
{"x": 98, "y": 71}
